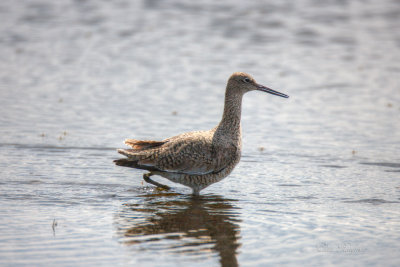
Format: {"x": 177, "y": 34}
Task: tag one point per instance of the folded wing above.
{"x": 188, "y": 154}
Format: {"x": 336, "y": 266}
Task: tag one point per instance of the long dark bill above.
{"x": 269, "y": 90}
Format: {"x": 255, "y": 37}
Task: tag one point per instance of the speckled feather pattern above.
{"x": 194, "y": 159}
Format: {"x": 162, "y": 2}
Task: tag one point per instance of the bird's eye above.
{"x": 246, "y": 80}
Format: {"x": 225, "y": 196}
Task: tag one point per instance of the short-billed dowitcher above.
{"x": 197, "y": 159}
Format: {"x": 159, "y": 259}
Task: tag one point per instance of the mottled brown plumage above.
{"x": 197, "y": 159}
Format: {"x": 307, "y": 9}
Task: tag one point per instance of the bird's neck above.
{"x": 230, "y": 123}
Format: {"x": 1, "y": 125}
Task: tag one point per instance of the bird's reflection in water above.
{"x": 195, "y": 226}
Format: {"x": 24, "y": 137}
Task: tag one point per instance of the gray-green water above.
{"x": 318, "y": 183}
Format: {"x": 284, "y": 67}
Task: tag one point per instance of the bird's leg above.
{"x": 196, "y": 192}
{"x": 146, "y": 177}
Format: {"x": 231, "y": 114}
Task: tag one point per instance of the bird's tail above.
{"x": 140, "y": 145}
{"x": 126, "y": 162}
{"x": 138, "y": 155}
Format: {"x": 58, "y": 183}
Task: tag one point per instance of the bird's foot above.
{"x": 146, "y": 177}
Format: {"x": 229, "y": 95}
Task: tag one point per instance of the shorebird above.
{"x": 197, "y": 159}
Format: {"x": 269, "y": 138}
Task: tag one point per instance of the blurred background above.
{"x": 319, "y": 177}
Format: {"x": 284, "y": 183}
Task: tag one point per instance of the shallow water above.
{"x": 318, "y": 183}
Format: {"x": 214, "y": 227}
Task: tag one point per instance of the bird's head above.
{"x": 242, "y": 83}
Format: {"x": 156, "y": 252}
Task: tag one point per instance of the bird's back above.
{"x": 192, "y": 153}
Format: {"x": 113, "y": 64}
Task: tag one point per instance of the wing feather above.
{"x": 191, "y": 153}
